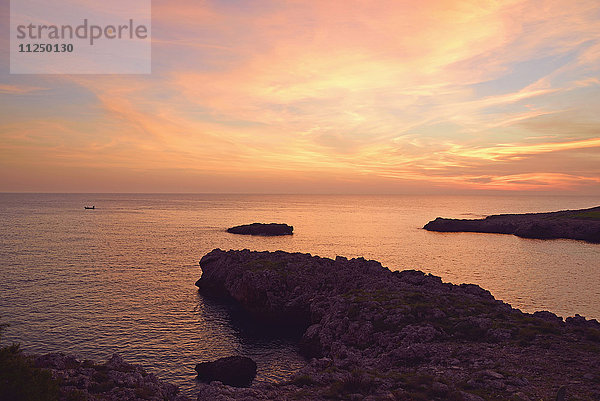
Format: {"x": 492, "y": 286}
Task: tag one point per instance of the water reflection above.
{"x": 121, "y": 279}
{"x": 272, "y": 347}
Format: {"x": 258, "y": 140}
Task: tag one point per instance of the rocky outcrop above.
{"x": 269, "y": 230}
{"x": 235, "y": 371}
{"x": 374, "y": 334}
{"x": 114, "y": 380}
{"x": 583, "y": 224}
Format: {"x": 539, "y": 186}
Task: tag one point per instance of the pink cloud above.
{"x": 379, "y": 90}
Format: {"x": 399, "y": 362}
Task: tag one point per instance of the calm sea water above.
{"x": 121, "y": 278}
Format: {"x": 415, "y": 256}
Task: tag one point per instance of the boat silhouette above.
{"x": 90, "y": 207}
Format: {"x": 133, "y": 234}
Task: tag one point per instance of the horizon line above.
{"x": 486, "y": 193}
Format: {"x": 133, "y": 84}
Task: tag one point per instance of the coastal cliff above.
{"x": 583, "y": 224}
{"x": 374, "y": 334}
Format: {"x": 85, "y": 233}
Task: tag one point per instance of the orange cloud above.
{"x": 18, "y": 89}
{"x": 354, "y": 90}
{"x": 518, "y": 151}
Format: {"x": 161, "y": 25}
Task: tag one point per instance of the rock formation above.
{"x": 583, "y": 224}
{"x": 236, "y": 371}
{"x": 269, "y": 230}
{"x": 374, "y": 334}
{"x": 114, "y": 380}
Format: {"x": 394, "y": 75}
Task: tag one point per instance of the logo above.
{"x": 69, "y": 37}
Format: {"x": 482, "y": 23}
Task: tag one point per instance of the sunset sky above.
{"x": 323, "y": 96}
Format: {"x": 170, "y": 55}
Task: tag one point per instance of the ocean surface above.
{"x": 120, "y": 278}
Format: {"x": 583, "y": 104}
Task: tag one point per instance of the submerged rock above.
{"x": 583, "y": 224}
{"x": 235, "y": 371}
{"x": 269, "y": 230}
{"x": 376, "y": 334}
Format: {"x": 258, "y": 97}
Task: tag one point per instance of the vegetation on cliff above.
{"x": 20, "y": 379}
{"x": 60, "y": 377}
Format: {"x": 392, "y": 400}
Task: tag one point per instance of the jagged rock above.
{"x": 581, "y": 321}
{"x": 470, "y": 397}
{"x": 583, "y": 224}
{"x": 310, "y": 345}
{"x": 114, "y": 380}
{"x": 377, "y": 332}
{"x": 492, "y": 374}
{"x": 235, "y": 371}
{"x": 270, "y": 229}
{"x": 549, "y": 316}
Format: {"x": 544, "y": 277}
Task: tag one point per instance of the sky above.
{"x": 323, "y": 97}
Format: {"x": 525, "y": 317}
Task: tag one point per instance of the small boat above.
{"x": 90, "y": 207}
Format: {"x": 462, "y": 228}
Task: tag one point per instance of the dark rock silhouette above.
{"x": 270, "y": 229}
{"x": 235, "y": 371}
{"x": 114, "y": 380}
{"x": 376, "y": 334}
{"x": 583, "y": 224}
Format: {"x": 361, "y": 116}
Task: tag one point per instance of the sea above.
{"x": 120, "y": 278}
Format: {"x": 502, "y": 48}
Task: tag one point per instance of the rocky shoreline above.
{"x": 368, "y": 334}
{"x": 582, "y": 224}
{"x": 374, "y": 334}
{"x": 63, "y": 377}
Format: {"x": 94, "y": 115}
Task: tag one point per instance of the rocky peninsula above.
{"x": 373, "y": 334}
{"x": 264, "y": 229}
{"x": 582, "y": 224}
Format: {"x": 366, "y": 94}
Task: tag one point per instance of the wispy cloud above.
{"x": 515, "y": 151}
{"x": 353, "y": 91}
{"x": 18, "y": 89}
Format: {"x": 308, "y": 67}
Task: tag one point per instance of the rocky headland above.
{"x": 582, "y": 224}
{"x": 265, "y": 229}
{"x": 373, "y": 334}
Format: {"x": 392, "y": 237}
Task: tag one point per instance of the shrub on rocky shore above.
{"x": 60, "y": 377}
{"x": 21, "y": 380}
